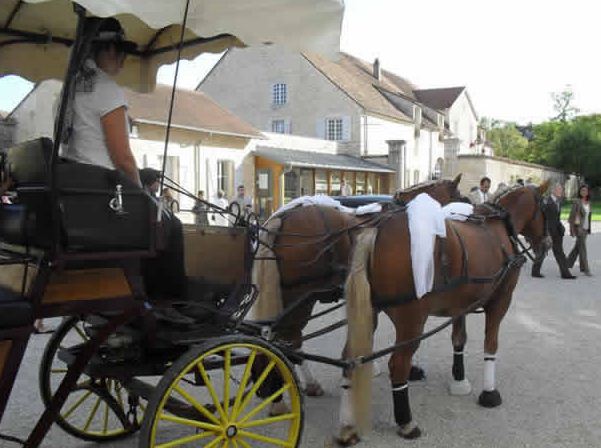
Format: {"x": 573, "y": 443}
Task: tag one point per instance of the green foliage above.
{"x": 507, "y": 141}
{"x": 567, "y": 142}
{"x": 563, "y": 104}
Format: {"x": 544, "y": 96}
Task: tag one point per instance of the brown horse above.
{"x": 477, "y": 265}
{"x": 305, "y": 257}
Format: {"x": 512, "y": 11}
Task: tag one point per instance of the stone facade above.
{"x": 243, "y": 82}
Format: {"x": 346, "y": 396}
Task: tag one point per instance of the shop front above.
{"x": 283, "y": 175}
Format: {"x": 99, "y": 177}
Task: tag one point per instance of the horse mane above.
{"x": 508, "y": 190}
{"x": 422, "y": 185}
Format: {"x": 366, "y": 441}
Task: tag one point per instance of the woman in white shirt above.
{"x": 580, "y": 227}
{"x": 99, "y": 135}
{"x": 99, "y": 131}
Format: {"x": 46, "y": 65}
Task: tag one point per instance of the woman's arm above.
{"x": 117, "y": 142}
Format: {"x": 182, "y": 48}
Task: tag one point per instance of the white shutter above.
{"x": 346, "y": 128}
{"x": 287, "y": 126}
{"x": 320, "y": 128}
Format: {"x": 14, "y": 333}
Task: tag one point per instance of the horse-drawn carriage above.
{"x": 195, "y": 371}
{"x": 73, "y": 241}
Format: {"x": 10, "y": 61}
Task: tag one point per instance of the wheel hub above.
{"x": 231, "y": 431}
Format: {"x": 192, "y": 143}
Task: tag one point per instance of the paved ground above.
{"x": 548, "y": 374}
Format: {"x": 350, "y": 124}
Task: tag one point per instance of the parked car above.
{"x": 359, "y": 200}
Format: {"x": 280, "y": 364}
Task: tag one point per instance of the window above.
{"x": 279, "y": 94}
{"x": 291, "y": 185}
{"x": 334, "y": 129}
{"x": 306, "y": 183}
{"x": 278, "y": 126}
{"x": 360, "y": 183}
{"x": 335, "y": 183}
{"x": 437, "y": 173}
{"x": 321, "y": 182}
{"x": 225, "y": 177}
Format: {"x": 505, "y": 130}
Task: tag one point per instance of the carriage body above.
{"x": 112, "y": 335}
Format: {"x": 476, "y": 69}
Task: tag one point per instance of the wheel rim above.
{"x": 98, "y": 408}
{"x": 228, "y": 413}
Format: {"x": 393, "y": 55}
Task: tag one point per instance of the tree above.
{"x": 563, "y": 104}
{"x": 507, "y": 141}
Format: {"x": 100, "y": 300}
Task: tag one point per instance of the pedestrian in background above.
{"x": 481, "y": 195}
{"x": 551, "y": 208}
{"x": 243, "y": 201}
{"x": 220, "y": 218}
{"x": 169, "y": 202}
{"x": 200, "y": 210}
{"x": 580, "y": 227}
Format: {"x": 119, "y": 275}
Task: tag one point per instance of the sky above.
{"x": 511, "y": 54}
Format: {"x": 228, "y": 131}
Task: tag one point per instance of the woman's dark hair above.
{"x": 588, "y": 195}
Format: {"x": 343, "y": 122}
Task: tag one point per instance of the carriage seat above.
{"x": 89, "y": 221}
{"x": 15, "y": 310}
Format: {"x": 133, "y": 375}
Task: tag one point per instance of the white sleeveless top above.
{"x": 93, "y": 100}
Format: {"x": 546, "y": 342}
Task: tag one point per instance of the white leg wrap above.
{"x": 346, "y": 409}
{"x": 489, "y": 383}
{"x": 417, "y": 359}
{"x": 306, "y": 376}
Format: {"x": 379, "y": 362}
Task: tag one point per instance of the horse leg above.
{"x": 400, "y": 366}
{"x": 312, "y": 386}
{"x": 495, "y": 310}
{"x": 459, "y": 385}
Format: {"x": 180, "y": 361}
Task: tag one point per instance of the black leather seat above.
{"x": 85, "y": 194}
{"x": 15, "y": 311}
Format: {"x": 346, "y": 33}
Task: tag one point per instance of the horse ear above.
{"x": 544, "y": 186}
{"x": 457, "y": 179}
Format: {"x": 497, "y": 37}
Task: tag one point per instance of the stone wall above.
{"x": 500, "y": 169}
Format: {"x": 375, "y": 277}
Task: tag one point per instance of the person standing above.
{"x": 169, "y": 202}
{"x": 243, "y": 201}
{"x": 345, "y": 188}
{"x": 481, "y": 195}
{"x": 200, "y": 210}
{"x": 551, "y": 209}
{"x": 219, "y": 218}
{"x": 580, "y": 227}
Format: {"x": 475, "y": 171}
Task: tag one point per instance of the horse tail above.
{"x": 360, "y": 325}
{"x": 266, "y": 275}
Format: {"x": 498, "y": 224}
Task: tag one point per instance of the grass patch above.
{"x": 595, "y": 209}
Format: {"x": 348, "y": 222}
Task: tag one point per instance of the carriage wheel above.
{"x": 222, "y": 394}
{"x": 98, "y": 409}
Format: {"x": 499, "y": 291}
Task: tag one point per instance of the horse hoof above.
{"x": 314, "y": 390}
{"x": 279, "y": 408}
{"x": 417, "y": 374}
{"x": 490, "y": 398}
{"x": 462, "y": 387}
{"x": 409, "y": 431}
{"x": 348, "y": 436}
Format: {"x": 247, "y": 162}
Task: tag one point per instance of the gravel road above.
{"x": 547, "y": 373}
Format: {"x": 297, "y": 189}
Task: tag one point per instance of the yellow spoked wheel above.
{"x": 229, "y": 392}
{"x": 98, "y": 409}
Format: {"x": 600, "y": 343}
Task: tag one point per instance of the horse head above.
{"x": 444, "y": 191}
{"x": 524, "y": 205}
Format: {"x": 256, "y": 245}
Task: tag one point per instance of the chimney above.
{"x": 377, "y": 71}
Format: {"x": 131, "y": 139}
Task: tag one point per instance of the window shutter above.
{"x": 346, "y": 128}
{"x": 229, "y": 166}
{"x": 287, "y": 126}
{"x": 320, "y": 128}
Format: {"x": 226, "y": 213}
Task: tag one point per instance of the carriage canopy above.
{"x": 35, "y": 35}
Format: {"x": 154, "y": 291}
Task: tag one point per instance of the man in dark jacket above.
{"x": 555, "y": 230}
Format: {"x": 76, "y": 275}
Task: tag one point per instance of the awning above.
{"x": 307, "y": 159}
{"x": 35, "y": 35}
